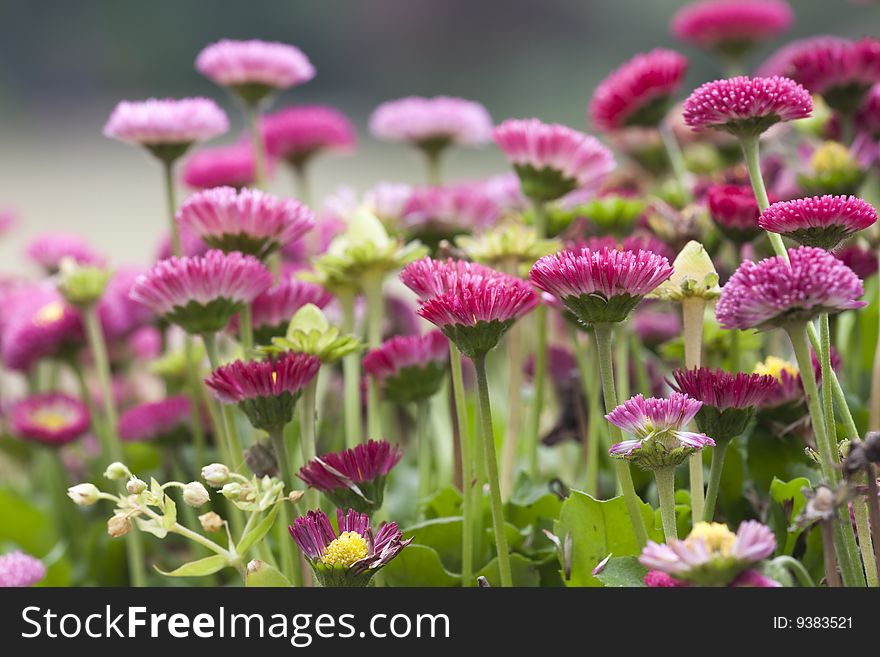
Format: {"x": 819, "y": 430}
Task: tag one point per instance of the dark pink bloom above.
{"x": 430, "y": 278}
{"x": 120, "y": 314}
{"x": 551, "y": 159}
{"x": 409, "y": 367}
{"x": 656, "y": 579}
{"x": 821, "y": 221}
{"x": 272, "y": 310}
{"x": 231, "y": 166}
{"x": 735, "y": 210}
{"x": 862, "y": 260}
{"x": 638, "y": 93}
{"x": 746, "y": 106}
{"x": 50, "y": 418}
{"x": 166, "y": 122}
{"x": 146, "y": 343}
{"x": 49, "y": 249}
{"x": 723, "y": 390}
{"x": 250, "y": 220}
{"x": 654, "y": 327}
{"x": 240, "y": 64}
{"x": 246, "y": 380}
{"x": 447, "y": 211}
{"x": 765, "y": 294}
{"x": 432, "y": 123}
{"x": 295, "y": 134}
{"x": 731, "y": 26}
{"x": 505, "y": 191}
{"x": 155, "y": 420}
{"x": 754, "y": 579}
{"x": 191, "y": 244}
{"x": 481, "y": 300}
{"x": 868, "y": 116}
{"x": 18, "y": 570}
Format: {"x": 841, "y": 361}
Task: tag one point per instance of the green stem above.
{"x": 375, "y": 308}
{"x": 872, "y": 501}
{"x": 586, "y": 366}
{"x": 540, "y": 377}
{"x": 423, "y": 416}
{"x": 492, "y": 472}
{"x": 246, "y": 330}
{"x": 874, "y": 403}
{"x": 693, "y": 311}
{"x": 308, "y": 433}
{"x": 796, "y": 567}
{"x": 514, "y": 403}
{"x": 676, "y": 161}
{"x": 866, "y": 544}
{"x": 86, "y": 398}
{"x": 230, "y": 431}
{"x": 288, "y": 561}
{"x": 252, "y": 116}
{"x": 351, "y": 365}
{"x": 665, "y": 478}
{"x": 168, "y": 171}
{"x": 301, "y": 179}
{"x": 602, "y": 333}
{"x": 714, "y": 479}
{"x": 467, "y": 477}
{"x": 434, "y": 174}
{"x": 196, "y": 398}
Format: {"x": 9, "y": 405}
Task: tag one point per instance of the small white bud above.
{"x": 136, "y": 486}
{"x": 84, "y": 494}
{"x": 215, "y": 474}
{"x": 231, "y": 490}
{"x": 116, "y": 471}
{"x": 195, "y": 494}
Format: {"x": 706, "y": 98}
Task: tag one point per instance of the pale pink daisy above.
{"x": 432, "y": 123}
{"x": 731, "y": 27}
{"x": 295, "y": 134}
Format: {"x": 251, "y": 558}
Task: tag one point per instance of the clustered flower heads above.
{"x": 639, "y": 92}
{"x": 50, "y": 418}
{"x": 735, "y": 211}
{"x": 600, "y": 286}
{"x": 295, "y": 134}
{"x": 712, "y": 555}
{"x": 432, "y": 123}
{"x": 266, "y": 391}
{"x": 160, "y": 420}
{"x": 658, "y": 425}
{"x": 551, "y": 159}
{"x": 409, "y": 367}
{"x": 352, "y": 556}
{"x": 249, "y": 220}
{"x": 820, "y": 221}
{"x": 200, "y": 294}
{"x": 775, "y": 292}
{"x": 18, "y": 570}
{"x": 745, "y": 106}
{"x": 353, "y": 478}
{"x": 731, "y": 27}
{"x": 429, "y": 278}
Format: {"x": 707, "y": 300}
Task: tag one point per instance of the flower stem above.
{"x": 233, "y": 445}
{"x": 492, "y": 472}
{"x": 301, "y": 180}
{"x": 676, "y": 161}
{"x": 246, "y": 329}
{"x": 252, "y": 117}
{"x": 467, "y": 478}
{"x": 693, "y": 311}
{"x": 665, "y": 478}
{"x": 872, "y": 501}
{"x": 375, "y": 308}
{"x": 423, "y": 415}
{"x": 288, "y": 561}
{"x": 586, "y": 366}
{"x": 714, "y": 479}
{"x": 866, "y": 544}
{"x": 828, "y": 544}
{"x": 602, "y": 333}
{"x": 514, "y": 404}
{"x": 874, "y": 405}
{"x": 308, "y": 433}
{"x": 797, "y": 568}
{"x": 196, "y": 398}
{"x": 351, "y": 365}
{"x": 168, "y": 171}
{"x": 434, "y": 174}
{"x": 539, "y": 379}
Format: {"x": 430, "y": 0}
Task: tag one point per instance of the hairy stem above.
{"x": 467, "y": 490}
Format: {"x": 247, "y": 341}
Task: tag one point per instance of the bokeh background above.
{"x": 64, "y": 65}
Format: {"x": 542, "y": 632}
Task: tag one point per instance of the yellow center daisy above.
{"x": 345, "y": 550}
{"x": 714, "y": 535}
{"x": 49, "y": 313}
{"x": 775, "y": 366}
{"x": 49, "y": 419}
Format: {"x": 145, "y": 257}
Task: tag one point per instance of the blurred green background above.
{"x": 64, "y": 64}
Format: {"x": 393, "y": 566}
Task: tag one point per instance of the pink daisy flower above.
{"x": 551, "y": 159}
{"x": 272, "y": 310}
{"x": 746, "y": 106}
{"x": 265, "y": 390}
{"x": 639, "y": 92}
{"x": 151, "y": 421}
{"x": 18, "y": 570}
{"x": 820, "y": 221}
{"x": 409, "y": 367}
{"x": 8, "y": 221}
{"x": 731, "y": 27}
{"x": 430, "y": 278}
{"x": 168, "y": 127}
{"x": 254, "y": 69}
{"x": 49, "y": 249}
{"x": 774, "y": 292}
{"x": 295, "y": 134}
{"x": 232, "y": 166}
{"x": 250, "y": 220}
{"x": 654, "y": 327}
{"x": 600, "y": 286}
{"x": 868, "y": 116}
{"x": 734, "y": 210}
{"x": 201, "y": 294}
{"x": 432, "y": 124}
{"x": 436, "y": 213}
{"x": 192, "y": 245}
{"x": 353, "y": 478}
{"x": 120, "y": 314}
{"x": 50, "y": 418}
{"x": 862, "y": 260}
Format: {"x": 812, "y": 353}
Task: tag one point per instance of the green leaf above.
{"x": 444, "y": 503}
{"x": 623, "y": 572}
{"x": 152, "y": 526}
{"x": 257, "y": 532}
{"x": 524, "y": 572}
{"x": 443, "y": 535}
{"x": 261, "y": 574}
{"x": 199, "y": 568}
{"x": 596, "y": 529}
{"x": 25, "y": 525}
{"x": 787, "y": 493}
{"x": 170, "y": 517}
{"x": 418, "y": 565}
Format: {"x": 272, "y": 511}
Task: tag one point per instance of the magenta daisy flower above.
{"x": 295, "y": 134}
{"x": 353, "y": 478}
{"x": 254, "y": 69}
{"x": 639, "y": 92}
{"x": 729, "y": 400}
{"x": 868, "y": 116}
{"x": 167, "y": 127}
{"x": 351, "y": 556}
{"x": 551, "y": 159}
{"x": 409, "y": 367}
{"x": 49, "y": 249}
{"x": 659, "y": 427}
{"x": 774, "y": 292}
{"x": 432, "y": 214}
{"x": 820, "y": 221}
{"x": 734, "y": 210}
{"x": 19, "y": 570}
{"x": 745, "y": 106}
{"x": 120, "y": 314}
{"x": 50, "y": 418}
{"x": 711, "y": 555}
{"x": 39, "y": 324}
{"x": 232, "y": 166}
{"x": 600, "y": 286}
{"x": 163, "y": 420}
{"x": 432, "y": 124}
{"x": 430, "y": 278}
{"x": 731, "y": 27}
{"x": 250, "y": 220}
{"x": 265, "y": 390}
{"x": 862, "y": 260}
{"x": 476, "y": 312}
{"x": 201, "y": 294}
{"x": 272, "y": 310}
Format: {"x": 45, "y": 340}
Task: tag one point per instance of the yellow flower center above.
{"x": 274, "y": 376}
{"x": 831, "y": 157}
{"x": 49, "y": 313}
{"x": 775, "y": 366}
{"x": 49, "y": 419}
{"x": 345, "y": 550}
{"x": 714, "y": 535}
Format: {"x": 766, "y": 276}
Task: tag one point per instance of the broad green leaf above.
{"x": 523, "y": 571}
{"x": 25, "y": 525}
{"x": 152, "y": 526}
{"x": 257, "y": 532}
{"x": 787, "y": 494}
{"x": 443, "y": 535}
{"x": 262, "y": 574}
{"x": 622, "y": 572}
{"x": 170, "y": 517}
{"x": 444, "y": 503}
{"x": 418, "y": 565}
{"x": 199, "y": 568}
